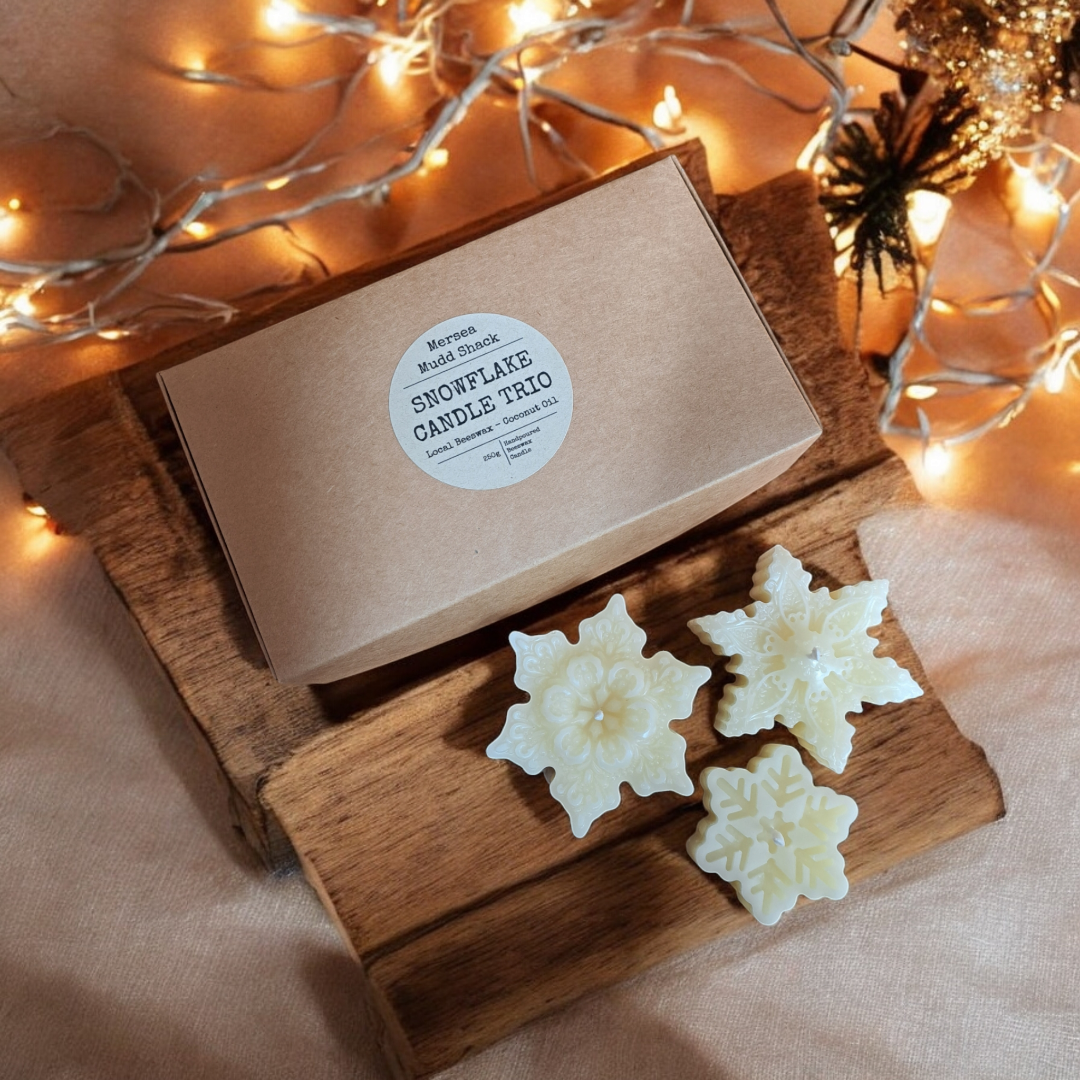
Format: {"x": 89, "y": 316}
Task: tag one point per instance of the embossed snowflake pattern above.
{"x": 803, "y": 658}
{"x": 772, "y": 833}
{"x": 598, "y": 714}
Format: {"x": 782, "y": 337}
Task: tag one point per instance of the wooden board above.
{"x": 454, "y": 878}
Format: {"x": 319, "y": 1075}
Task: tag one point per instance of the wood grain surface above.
{"x": 454, "y": 878}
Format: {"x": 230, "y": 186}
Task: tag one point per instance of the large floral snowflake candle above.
{"x": 772, "y": 833}
{"x": 598, "y": 714}
{"x": 804, "y": 658}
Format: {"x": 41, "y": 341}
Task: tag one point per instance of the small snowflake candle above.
{"x": 598, "y": 714}
{"x": 772, "y": 833}
{"x": 803, "y": 658}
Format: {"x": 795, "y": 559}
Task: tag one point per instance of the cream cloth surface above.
{"x": 138, "y": 939}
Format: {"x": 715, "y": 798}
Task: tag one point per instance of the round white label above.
{"x": 481, "y": 401}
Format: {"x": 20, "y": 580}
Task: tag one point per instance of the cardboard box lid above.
{"x": 349, "y": 555}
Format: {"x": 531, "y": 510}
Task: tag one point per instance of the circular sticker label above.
{"x": 481, "y": 401}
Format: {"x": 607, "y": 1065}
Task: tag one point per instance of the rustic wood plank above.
{"x": 421, "y": 756}
{"x": 790, "y": 273}
{"x": 522, "y": 917}
{"x": 607, "y": 917}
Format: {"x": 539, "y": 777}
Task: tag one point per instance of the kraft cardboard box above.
{"x": 482, "y": 431}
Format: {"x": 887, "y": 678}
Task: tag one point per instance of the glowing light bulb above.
{"x": 1069, "y": 346}
{"x": 14, "y": 204}
{"x": 112, "y": 335}
{"x": 920, "y": 391}
{"x": 936, "y": 460}
{"x": 23, "y": 304}
{"x": 844, "y": 242}
{"x": 391, "y": 66}
{"x": 198, "y": 230}
{"x": 1035, "y": 197}
{"x": 942, "y": 307}
{"x": 927, "y": 213}
{"x": 1054, "y": 380}
{"x": 280, "y": 15}
{"x": 528, "y": 17}
{"x": 436, "y": 158}
{"x": 277, "y": 184}
{"x": 811, "y": 156}
{"x": 49, "y": 527}
{"x": 668, "y": 113}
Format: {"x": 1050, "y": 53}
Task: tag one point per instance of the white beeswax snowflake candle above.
{"x": 803, "y": 658}
{"x": 598, "y": 714}
{"x": 772, "y": 833}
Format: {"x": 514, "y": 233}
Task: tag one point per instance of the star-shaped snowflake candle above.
{"x": 772, "y": 833}
{"x": 803, "y": 658}
{"x": 598, "y": 714}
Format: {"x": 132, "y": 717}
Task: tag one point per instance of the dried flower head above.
{"x": 915, "y": 144}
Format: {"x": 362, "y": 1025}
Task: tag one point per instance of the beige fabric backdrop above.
{"x": 139, "y": 940}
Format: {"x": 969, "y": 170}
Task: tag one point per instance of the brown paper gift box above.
{"x": 349, "y": 556}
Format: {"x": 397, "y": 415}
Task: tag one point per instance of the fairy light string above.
{"x": 397, "y": 44}
{"x": 1009, "y": 62}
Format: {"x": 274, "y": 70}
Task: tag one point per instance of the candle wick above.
{"x": 814, "y": 654}
{"x": 598, "y": 715}
{"x": 778, "y": 838}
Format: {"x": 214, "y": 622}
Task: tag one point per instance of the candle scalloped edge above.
{"x": 598, "y": 714}
{"x": 772, "y": 834}
{"x": 804, "y": 658}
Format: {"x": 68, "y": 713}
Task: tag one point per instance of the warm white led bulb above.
{"x": 668, "y": 113}
{"x": 391, "y": 66}
{"x": 920, "y": 391}
{"x": 436, "y": 158}
{"x": 811, "y": 157}
{"x": 927, "y": 213}
{"x": 527, "y": 17}
{"x": 936, "y": 460}
{"x": 1054, "y": 380}
{"x": 280, "y": 15}
{"x": 1036, "y": 197}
